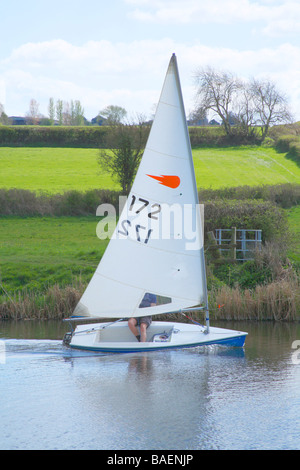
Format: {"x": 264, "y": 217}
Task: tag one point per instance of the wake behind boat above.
{"x": 157, "y": 249}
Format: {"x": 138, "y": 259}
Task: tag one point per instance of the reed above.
{"x": 277, "y": 301}
{"x": 55, "y": 303}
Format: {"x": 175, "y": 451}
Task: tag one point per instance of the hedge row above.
{"x": 284, "y": 142}
{"x": 95, "y": 136}
{"x": 53, "y": 136}
{"x": 294, "y": 150}
{"x": 247, "y": 214}
{"x": 24, "y": 203}
{"x": 219, "y": 213}
{"x": 289, "y": 143}
{"x": 215, "y": 136}
{"x": 285, "y": 195}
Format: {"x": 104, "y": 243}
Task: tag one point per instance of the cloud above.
{"x": 101, "y": 73}
{"x": 98, "y": 73}
{"x": 195, "y": 11}
{"x": 276, "y": 18}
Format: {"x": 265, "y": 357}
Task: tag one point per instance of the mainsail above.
{"x": 157, "y": 246}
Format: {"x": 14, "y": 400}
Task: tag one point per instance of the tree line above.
{"x": 66, "y": 113}
{"x": 240, "y": 106}
{"x": 246, "y": 107}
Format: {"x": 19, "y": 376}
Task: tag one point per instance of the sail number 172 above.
{"x": 137, "y": 205}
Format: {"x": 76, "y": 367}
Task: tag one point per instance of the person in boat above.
{"x": 143, "y": 323}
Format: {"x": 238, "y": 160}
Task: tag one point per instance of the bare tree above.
{"x": 271, "y": 106}
{"x": 198, "y": 116}
{"x": 246, "y": 114}
{"x": 240, "y": 104}
{"x": 33, "y": 114}
{"x": 217, "y": 92}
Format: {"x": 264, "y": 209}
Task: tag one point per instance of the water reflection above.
{"x": 201, "y": 398}
{"x": 140, "y": 366}
{"x": 150, "y": 400}
{"x": 33, "y": 329}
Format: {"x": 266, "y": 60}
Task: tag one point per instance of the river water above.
{"x": 52, "y": 397}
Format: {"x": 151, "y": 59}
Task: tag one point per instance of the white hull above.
{"x": 117, "y": 337}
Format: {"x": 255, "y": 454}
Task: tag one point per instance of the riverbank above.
{"x": 49, "y": 247}
{"x": 46, "y": 263}
{"x": 276, "y": 301}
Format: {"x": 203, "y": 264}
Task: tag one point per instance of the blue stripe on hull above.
{"x": 237, "y": 341}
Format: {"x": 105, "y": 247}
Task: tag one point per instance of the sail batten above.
{"x": 166, "y": 154}
{"x": 190, "y": 253}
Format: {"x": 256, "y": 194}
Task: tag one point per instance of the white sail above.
{"x": 157, "y": 246}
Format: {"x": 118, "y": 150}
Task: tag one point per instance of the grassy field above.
{"x": 294, "y": 225}
{"x": 56, "y": 170}
{"x": 238, "y": 166}
{"x": 38, "y": 252}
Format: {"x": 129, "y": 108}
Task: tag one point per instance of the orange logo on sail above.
{"x": 171, "y": 181}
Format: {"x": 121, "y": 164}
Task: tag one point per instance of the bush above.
{"x": 215, "y": 136}
{"x": 276, "y": 132}
{"x": 285, "y": 195}
{"x": 76, "y": 203}
{"x": 283, "y": 143}
{"x": 22, "y": 202}
{"x": 294, "y": 150}
{"x": 268, "y": 142}
{"x": 247, "y": 214}
{"x": 246, "y": 275}
{"x": 269, "y": 265}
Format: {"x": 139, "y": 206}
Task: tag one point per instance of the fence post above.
{"x": 233, "y": 243}
{"x": 214, "y": 245}
{"x": 244, "y": 243}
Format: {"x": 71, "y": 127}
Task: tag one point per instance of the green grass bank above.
{"x": 56, "y": 170}
{"x": 46, "y": 262}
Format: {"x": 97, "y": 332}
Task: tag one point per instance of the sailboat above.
{"x": 156, "y": 251}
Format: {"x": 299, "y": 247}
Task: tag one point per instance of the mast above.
{"x": 202, "y": 258}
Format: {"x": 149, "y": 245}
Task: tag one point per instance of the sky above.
{"x": 116, "y": 52}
